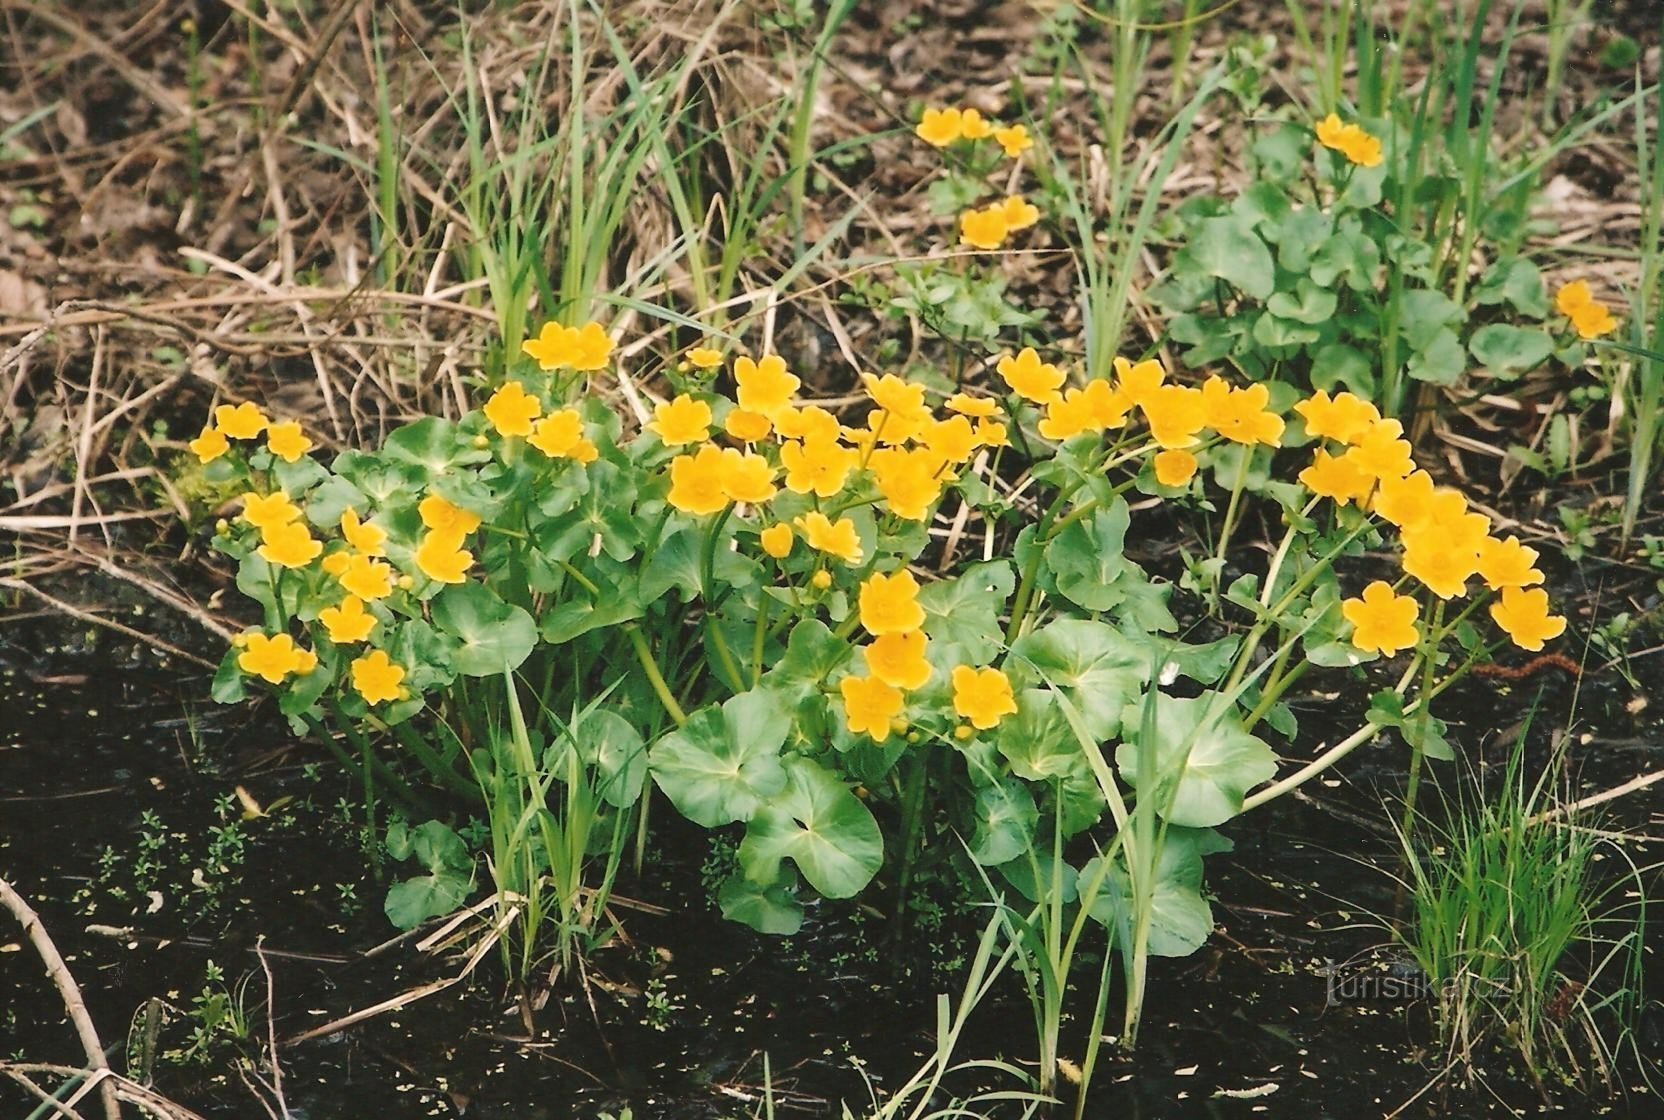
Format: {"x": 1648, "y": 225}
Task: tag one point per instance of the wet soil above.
{"x": 116, "y": 771}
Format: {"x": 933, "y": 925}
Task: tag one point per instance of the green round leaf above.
{"x": 821, "y": 826}
{"x": 492, "y": 635}
{"x": 724, "y": 763}
{"x": 1203, "y": 762}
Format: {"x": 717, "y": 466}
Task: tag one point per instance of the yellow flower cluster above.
{"x": 1589, "y": 317}
{"x": 245, "y": 421}
{"x": 909, "y": 452}
{"x": 515, "y": 413}
{"x": 1445, "y": 542}
{"x": 1177, "y": 415}
{"x": 1349, "y": 140}
{"x": 941, "y": 127}
{"x": 896, "y": 665}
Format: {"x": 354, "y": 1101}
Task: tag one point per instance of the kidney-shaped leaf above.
{"x": 1203, "y": 760}
{"x": 724, "y": 763}
{"x": 1180, "y": 918}
{"x": 492, "y": 635}
{"x": 1097, "y": 667}
{"x": 819, "y": 825}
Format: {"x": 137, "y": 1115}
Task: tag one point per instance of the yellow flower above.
{"x": 272, "y": 510}
{"x": 1404, "y": 501}
{"x": 511, "y": 410}
{"x": 1507, "y": 564}
{"x": 1175, "y": 467}
{"x": 349, "y": 622}
{"x": 991, "y": 433}
{"x": 890, "y": 604}
{"x": 1362, "y": 148}
{"x": 765, "y": 386}
{"x": 366, "y": 578}
{"x": 210, "y": 445}
{"x": 967, "y": 405}
{"x": 939, "y": 127}
{"x": 1330, "y": 132}
{"x": 696, "y": 481}
{"x": 809, "y": 423}
{"x": 683, "y": 420}
{"x": 1014, "y": 139}
{"x": 984, "y": 229}
{"x": 909, "y": 480}
{"x": 243, "y": 421}
{"x": 1593, "y": 321}
{"x": 377, "y": 678}
{"x": 747, "y": 426}
{"x": 1029, "y": 377}
{"x": 703, "y": 357}
{"x": 895, "y": 395}
{"x": 1241, "y": 415}
{"x": 1066, "y": 416}
{"x": 776, "y": 540}
{"x": 289, "y": 545}
{"x": 1438, "y": 562}
{"x": 270, "y": 657}
{"x": 870, "y": 705}
{"x": 591, "y": 347}
{"x": 1380, "y": 453}
{"x": 437, "y": 513}
{"x": 305, "y": 662}
{"x": 1573, "y": 297}
{"x": 442, "y": 558}
{"x": 1350, "y": 141}
{"x": 287, "y": 441}
{"x": 336, "y": 563}
{"x": 1176, "y": 413}
{"x": 1524, "y": 616}
{"x": 1138, "y": 382}
{"x": 816, "y": 466}
{"x": 746, "y": 477}
{"x": 1019, "y": 213}
{"x": 898, "y": 659}
{"x": 553, "y": 347}
{"x": 974, "y": 126}
{"x": 1382, "y": 622}
{"x": 982, "y": 696}
{"x": 1346, "y": 419}
{"x": 361, "y": 535}
{"x": 835, "y": 538}
{"x": 1337, "y": 478}
{"x": 952, "y": 440}
{"x": 560, "y": 435}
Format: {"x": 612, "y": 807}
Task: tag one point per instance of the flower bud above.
{"x": 821, "y": 580}
{"x": 481, "y": 443}
{"x": 406, "y": 583}
{"x": 899, "y": 725}
{"x": 964, "y": 732}
{"x": 222, "y": 526}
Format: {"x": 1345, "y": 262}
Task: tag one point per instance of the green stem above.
{"x": 1429, "y": 652}
{"x": 644, "y": 655}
